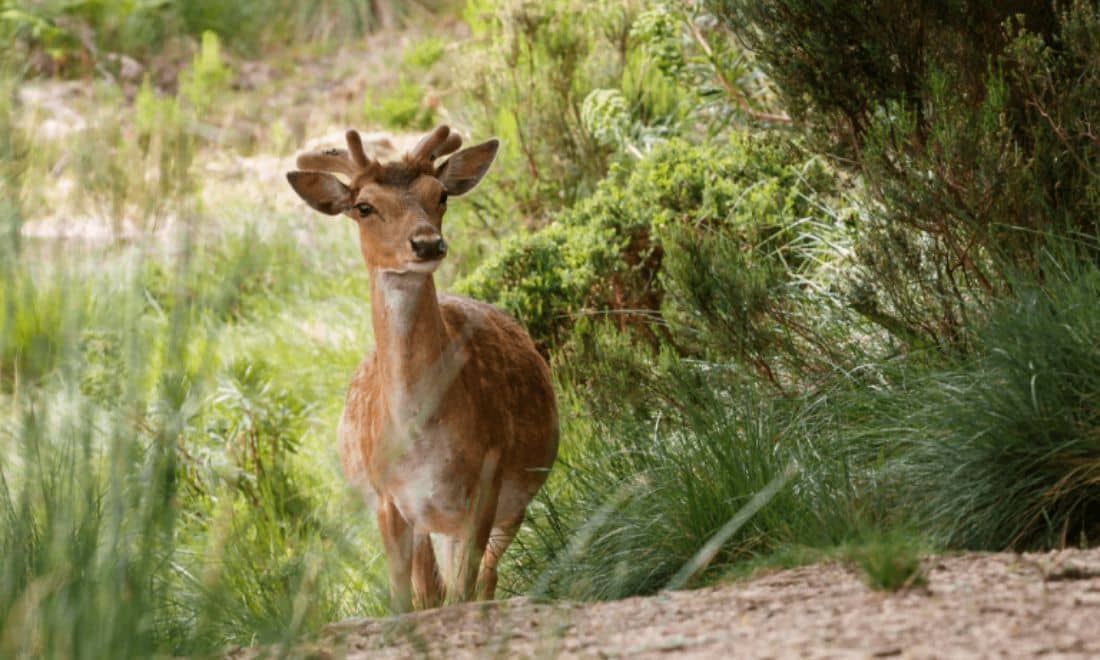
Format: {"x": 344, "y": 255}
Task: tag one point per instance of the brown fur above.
{"x": 450, "y": 422}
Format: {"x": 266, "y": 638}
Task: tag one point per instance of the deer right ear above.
{"x": 322, "y": 191}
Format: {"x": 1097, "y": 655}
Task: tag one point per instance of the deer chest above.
{"x": 430, "y": 480}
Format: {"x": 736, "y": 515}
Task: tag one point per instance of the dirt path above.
{"x": 992, "y": 605}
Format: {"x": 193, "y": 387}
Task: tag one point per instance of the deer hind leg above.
{"x": 397, "y": 542}
{"x": 499, "y": 540}
{"x": 426, "y": 583}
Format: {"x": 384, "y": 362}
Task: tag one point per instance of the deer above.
{"x": 450, "y": 423}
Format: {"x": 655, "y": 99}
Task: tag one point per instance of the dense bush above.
{"x": 549, "y": 158}
{"x": 969, "y": 123}
{"x": 699, "y": 246}
{"x": 614, "y": 79}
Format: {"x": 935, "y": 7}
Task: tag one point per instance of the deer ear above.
{"x": 322, "y": 191}
{"x": 462, "y": 171}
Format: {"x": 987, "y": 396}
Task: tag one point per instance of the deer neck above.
{"x": 412, "y": 347}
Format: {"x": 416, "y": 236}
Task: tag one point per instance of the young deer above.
{"x": 450, "y": 422}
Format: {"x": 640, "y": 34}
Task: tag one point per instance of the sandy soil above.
{"x": 974, "y": 606}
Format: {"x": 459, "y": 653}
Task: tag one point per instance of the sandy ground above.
{"x": 974, "y": 606}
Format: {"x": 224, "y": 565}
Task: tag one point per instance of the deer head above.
{"x": 398, "y": 206}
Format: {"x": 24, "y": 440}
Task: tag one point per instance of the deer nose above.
{"x": 432, "y": 247}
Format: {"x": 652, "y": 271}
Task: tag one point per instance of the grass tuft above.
{"x": 890, "y": 562}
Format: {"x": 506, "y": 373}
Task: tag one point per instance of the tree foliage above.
{"x": 971, "y": 125}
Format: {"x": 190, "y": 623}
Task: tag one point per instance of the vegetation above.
{"x": 77, "y": 36}
{"x": 801, "y": 301}
{"x": 970, "y": 136}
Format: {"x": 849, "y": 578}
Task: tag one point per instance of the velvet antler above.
{"x": 436, "y": 144}
{"x": 352, "y": 161}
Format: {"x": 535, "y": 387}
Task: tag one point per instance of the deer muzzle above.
{"x": 431, "y": 247}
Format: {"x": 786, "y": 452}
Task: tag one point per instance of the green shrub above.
{"x": 696, "y": 246}
{"x": 38, "y": 321}
{"x": 530, "y": 68}
{"x": 967, "y": 122}
{"x": 208, "y": 77}
{"x": 424, "y": 53}
{"x": 545, "y": 278}
{"x": 572, "y": 87}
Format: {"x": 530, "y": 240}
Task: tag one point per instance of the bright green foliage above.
{"x": 545, "y": 277}
{"x": 606, "y": 116}
{"x": 208, "y": 77}
{"x": 424, "y": 53}
{"x": 531, "y": 81}
{"x": 572, "y": 87}
{"x": 37, "y": 324}
{"x": 404, "y": 107}
{"x": 701, "y": 239}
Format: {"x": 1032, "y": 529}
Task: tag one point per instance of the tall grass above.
{"x": 164, "y": 481}
{"x": 991, "y": 450}
{"x": 643, "y": 484}
{"x": 1002, "y": 450}
{"x": 158, "y": 495}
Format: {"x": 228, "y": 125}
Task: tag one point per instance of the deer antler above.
{"x": 352, "y": 161}
{"x": 436, "y": 144}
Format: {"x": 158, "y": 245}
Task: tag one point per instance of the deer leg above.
{"x": 427, "y": 588}
{"x": 467, "y": 550}
{"x": 397, "y": 542}
{"x": 499, "y": 540}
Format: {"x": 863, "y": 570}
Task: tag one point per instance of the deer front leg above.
{"x": 466, "y": 551}
{"x": 397, "y": 542}
{"x": 427, "y": 587}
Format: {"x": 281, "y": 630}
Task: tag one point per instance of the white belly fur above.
{"x": 420, "y": 485}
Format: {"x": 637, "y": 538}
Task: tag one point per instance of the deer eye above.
{"x": 364, "y": 209}
{"x": 443, "y": 198}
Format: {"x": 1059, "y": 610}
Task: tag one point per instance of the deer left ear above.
{"x": 322, "y": 191}
{"x": 462, "y": 171}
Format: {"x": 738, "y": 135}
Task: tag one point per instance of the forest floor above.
{"x": 973, "y": 605}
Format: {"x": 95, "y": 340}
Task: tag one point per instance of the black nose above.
{"x": 429, "y": 248}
